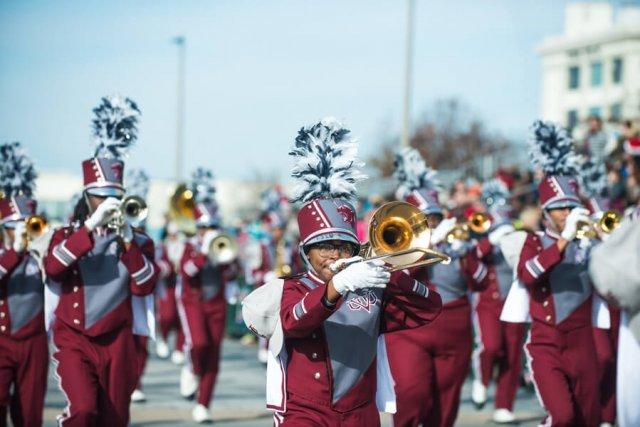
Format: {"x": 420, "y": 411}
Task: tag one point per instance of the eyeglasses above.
{"x": 327, "y": 249}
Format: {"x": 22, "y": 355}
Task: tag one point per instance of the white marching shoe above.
{"x": 188, "y": 383}
{"x": 162, "y": 349}
{"x": 138, "y": 396}
{"x": 503, "y": 416}
{"x": 201, "y": 414}
{"x": 606, "y": 425}
{"x": 177, "y": 357}
{"x": 478, "y": 394}
{"x": 263, "y": 355}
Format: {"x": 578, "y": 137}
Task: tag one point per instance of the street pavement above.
{"x": 239, "y": 396}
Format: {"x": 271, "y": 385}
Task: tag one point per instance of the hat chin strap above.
{"x": 305, "y": 258}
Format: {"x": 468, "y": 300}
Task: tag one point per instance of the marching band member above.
{"x": 428, "y": 366}
{"x": 168, "y": 255}
{"x": 96, "y": 265}
{"x": 498, "y": 342}
{"x": 137, "y": 184}
{"x": 605, "y": 335}
{"x": 201, "y": 295}
{"x": 330, "y": 322}
{"x": 24, "y": 356}
{"x": 553, "y": 267}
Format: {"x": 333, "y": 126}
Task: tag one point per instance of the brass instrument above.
{"x": 36, "y": 226}
{"x": 281, "y": 267}
{"x": 399, "y": 235}
{"x": 223, "y": 249}
{"x": 133, "y": 210}
{"x": 609, "y": 221}
{"x": 478, "y": 223}
{"x": 182, "y": 209}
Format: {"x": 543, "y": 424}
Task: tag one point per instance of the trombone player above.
{"x": 208, "y": 263}
{"x": 24, "y": 355}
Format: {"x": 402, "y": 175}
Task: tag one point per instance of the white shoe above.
{"x": 177, "y": 357}
{"x": 188, "y": 383}
{"x": 201, "y": 414}
{"x": 162, "y": 349}
{"x": 138, "y": 396}
{"x": 503, "y": 416}
{"x": 263, "y": 355}
{"x": 606, "y": 425}
{"x": 478, "y": 394}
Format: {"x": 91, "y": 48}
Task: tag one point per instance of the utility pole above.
{"x": 408, "y": 76}
{"x": 180, "y": 41}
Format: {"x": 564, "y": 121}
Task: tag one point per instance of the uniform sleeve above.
{"x": 139, "y": 261}
{"x": 484, "y": 248}
{"x": 300, "y": 311}
{"x": 475, "y": 271}
{"x": 164, "y": 265}
{"x": 535, "y": 261}
{"x": 192, "y": 262}
{"x": 408, "y": 303}
{"x": 64, "y": 252}
{"x": 8, "y": 261}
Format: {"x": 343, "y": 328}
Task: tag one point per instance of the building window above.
{"x": 596, "y": 74}
{"x": 595, "y": 111}
{"x": 572, "y": 118}
{"x": 574, "y": 77}
{"x": 616, "y": 112}
{"x": 617, "y": 70}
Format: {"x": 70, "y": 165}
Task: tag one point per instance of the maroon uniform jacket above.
{"x": 97, "y": 277}
{"x": 21, "y": 295}
{"x": 331, "y": 352}
{"x": 499, "y": 275}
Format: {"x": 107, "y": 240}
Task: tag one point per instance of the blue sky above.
{"x": 257, "y": 71}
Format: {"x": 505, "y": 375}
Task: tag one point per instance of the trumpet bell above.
{"x": 134, "y": 209}
{"x": 36, "y": 226}
{"x": 398, "y": 227}
{"x": 223, "y": 249}
{"x": 610, "y": 221}
{"x": 479, "y": 223}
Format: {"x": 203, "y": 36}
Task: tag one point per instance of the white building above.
{"x": 594, "y": 67}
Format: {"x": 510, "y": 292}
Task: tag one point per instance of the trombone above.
{"x": 399, "y": 235}
{"x": 609, "y": 221}
{"x": 478, "y": 223}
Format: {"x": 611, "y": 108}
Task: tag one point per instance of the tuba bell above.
{"x": 182, "y": 209}
{"x": 223, "y": 249}
{"x": 399, "y": 234}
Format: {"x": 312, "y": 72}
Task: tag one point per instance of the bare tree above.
{"x": 449, "y": 136}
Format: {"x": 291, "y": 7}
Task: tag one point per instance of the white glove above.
{"x": 496, "y": 235}
{"x": 18, "y": 237}
{"x": 571, "y": 225}
{"x": 103, "y": 213}
{"x": 360, "y": 275}
{"x": 206, "y": 241}
{"x": 127, "y": 233}
{"x": 441, "y": 231}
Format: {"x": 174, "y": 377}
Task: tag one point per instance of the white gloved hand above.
{"x": 360, "y": 275}
{"x": 496, "y": 235}
{"x": 441, "y": 231}
{"x": 206, "y": 241}
{"x": 571, "y": 225}
{"x": 18, "y": 236}
{"x": 127, "y": 233}
{"x": 103, "y": 213}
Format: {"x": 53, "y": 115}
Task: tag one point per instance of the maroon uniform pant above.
{"x": 168, "y": 318}
{"x": 303, "y": 413}
{"x": 97, "y": 375}
{"x": 606, "y": 342}
{"x": 24, "y": 364}
{"x": 565, "y": 373}
{"x": 142, "y": 354}
{"x": 498, "y": 344}
{"x": 429, "y": 365}
{"x": 204, "y": 332}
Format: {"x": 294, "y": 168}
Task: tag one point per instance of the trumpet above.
{"x": 399, "y": 234}
{"x": 223, "y": 249}
{"x": 133, "y": 210}
{"x": 609, "y": 221}
{"x": 478, "y": 223}
{"x": 36, "y": 226}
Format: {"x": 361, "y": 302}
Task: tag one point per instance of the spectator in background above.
{"x": 596, "y": 140}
